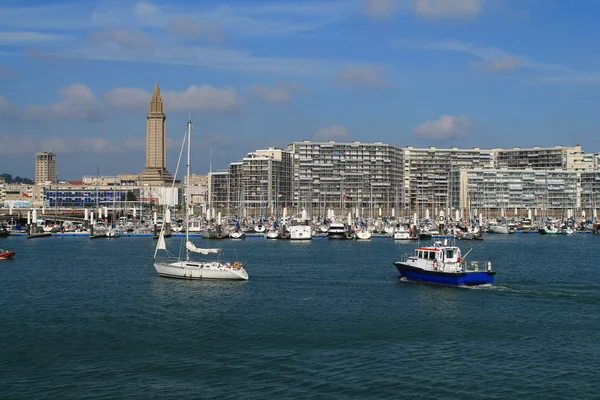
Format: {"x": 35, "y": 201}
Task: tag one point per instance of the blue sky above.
{"x": 76, "y": 76}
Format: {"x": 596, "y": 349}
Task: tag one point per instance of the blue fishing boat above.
{"x": 444, "y": 264}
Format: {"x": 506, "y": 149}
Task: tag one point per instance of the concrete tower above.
{"x": 45, "y": 168}
{"x": 156, "y": 143}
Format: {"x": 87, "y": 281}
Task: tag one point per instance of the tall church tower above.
{"x": 156, "y": 143}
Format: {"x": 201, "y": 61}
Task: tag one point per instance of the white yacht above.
{"x": 337, "y": 230}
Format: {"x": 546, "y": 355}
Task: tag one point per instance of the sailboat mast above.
{"x": 188, "y": 195}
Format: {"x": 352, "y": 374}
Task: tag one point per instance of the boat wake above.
{"x": 583, "y": 296}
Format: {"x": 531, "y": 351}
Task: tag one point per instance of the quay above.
{"x": 259, "y": 235}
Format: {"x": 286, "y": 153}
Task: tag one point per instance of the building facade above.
{"x": 427, "y": 175}
{"x": 557, "y": 157}
{"x": 258, "y": 185}
{"x": 346, "y": 177}
{"x": 524, "y": 192}
{"x": 45, "y": 168}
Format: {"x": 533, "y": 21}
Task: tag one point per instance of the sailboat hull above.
{"x": 200, "y": 270}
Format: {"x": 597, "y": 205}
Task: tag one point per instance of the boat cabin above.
{"x": 443, "y": 254}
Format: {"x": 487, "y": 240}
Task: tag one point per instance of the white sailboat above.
{"x": 176, "y": 267}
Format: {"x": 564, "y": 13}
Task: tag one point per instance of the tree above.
{"x": 130, "y": 196}
{"x": 8, "y": 178}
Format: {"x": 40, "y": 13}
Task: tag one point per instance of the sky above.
{"x": 76, "y": 77}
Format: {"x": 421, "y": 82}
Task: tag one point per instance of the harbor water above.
{"x": 323, "y": 319}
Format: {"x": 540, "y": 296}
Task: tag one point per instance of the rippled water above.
{"x": 90, "y": 319}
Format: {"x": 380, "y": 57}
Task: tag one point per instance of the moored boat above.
{"x": 237, "y": 234}
{"x": 300, "y": 232}
{"x": 363, "y": 234}
{"x": 337, "y": 230}
{"x": 445, "y": 265}
{"x": 548, "y": 230}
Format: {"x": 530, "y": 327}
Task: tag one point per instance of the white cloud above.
{"x": 28, "y": 37}
{"x": 282, "y": 93}
{"x": 6, "y": 72}
{"x": 79, "y": 145}
{"x": 23, "y": 145}
{"x": 429, "y": 9}
{"x": 579, "y": 78}
{"x": 78, "y": 102}
{"x": 505, "y": 63}
{"x": 127, "y": 39}
{"x": 331, "y": 133}
{"x": 8, "y": 110}
{"x": 127, "y": 98}
{"x": 381, "y": 9}
{"x": 446, "y": 127}
{"x": 448, "y": 8}
{"x": 143, "y": 9}
{"x": 362, "y": 75}
{"x": 204, "y": 98}
{"x": 489, "y": 57}
{"x": 183, "y": 25}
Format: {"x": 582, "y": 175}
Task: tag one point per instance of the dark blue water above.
{"x": 90, "y": 319}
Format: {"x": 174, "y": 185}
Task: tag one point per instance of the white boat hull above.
{"x": 363, "y": 235}
{"x": 499, "y": 229}
{"x": 272, "y": 235}
{"x": 200, "y": 270}
{"x": 300, "y": 232}
{"x": 401, "y": 235}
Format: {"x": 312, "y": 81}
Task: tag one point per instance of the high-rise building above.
{"x": 347, "y": 176}
{"x": 259, "y": 184}
{"x": 156, "y": 143}
{"x": 45, "y": 168}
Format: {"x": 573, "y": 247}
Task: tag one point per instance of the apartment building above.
{"x": 346, "y": 177}
{"x": 510, "y": 192}
{"x": 259, "y": 184}
{"x": 427, "y": 175}
{"x": 560, "y": 157}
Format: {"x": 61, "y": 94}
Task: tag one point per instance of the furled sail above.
{"x": 190, "y": 246}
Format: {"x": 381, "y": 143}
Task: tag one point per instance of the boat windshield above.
{"x": 450, "y": 253}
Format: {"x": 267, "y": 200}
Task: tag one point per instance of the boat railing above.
{"x": 404, "y": 257}
{"x": 476, "y": 265}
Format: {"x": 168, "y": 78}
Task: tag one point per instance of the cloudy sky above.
{"x": 76, "y": 76}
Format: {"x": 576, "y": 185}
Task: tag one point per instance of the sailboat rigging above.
{"x": 188, "y": 268}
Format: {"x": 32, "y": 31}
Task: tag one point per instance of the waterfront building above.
{"x": 362, "y": 178}
{"x": 198, "y": 189}
{"x": 128, "y": 179}
{"x": 559, "y": 157}
{"x": 156, "y": 172}
{"x": 20, "y": 195}
{"x": 100, "y": 181}
{"x": 259, "y": 184}
{"x": 219, "y": 192}
{"x": 590, "y": 192}
{"x": 427, "y": 172}
{"x": 67, "y": 195}
{"x": 45, "y": 167}
{"x": 519, "y": 192}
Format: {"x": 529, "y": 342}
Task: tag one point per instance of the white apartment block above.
{"x": 527, "y": 192}
{"x": 259, "y": 184}
{"x": 347, "y": 177}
